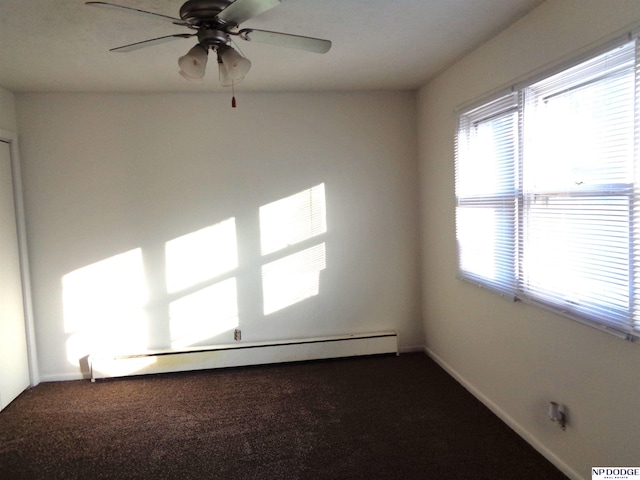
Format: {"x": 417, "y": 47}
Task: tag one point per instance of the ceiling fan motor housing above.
{"x": 210, "y": 38}
{"x": 203, "y": 12}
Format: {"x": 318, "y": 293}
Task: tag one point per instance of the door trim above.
{"x": 12, "y": 139}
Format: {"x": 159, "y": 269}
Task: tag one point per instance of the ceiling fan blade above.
{"x": 242, "y": 10}
{"x": 176, "y": 21}
{"x": 148, "y": 43}
{"x": 309, "y": 44}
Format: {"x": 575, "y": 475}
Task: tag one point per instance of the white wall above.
{"x": 515, "y": 357}
{"x": 109, "y": 174}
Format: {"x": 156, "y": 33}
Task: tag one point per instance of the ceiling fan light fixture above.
{"x": 235, "y": 64}
{"x": 194, "y": 63}
{"x": 214, "y": 21}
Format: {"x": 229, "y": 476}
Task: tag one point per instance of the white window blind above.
{"x": 547, "y": 194}
{"x": 487, "y": 188}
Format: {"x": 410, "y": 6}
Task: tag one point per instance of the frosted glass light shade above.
{"x": 194, "y": 63}
{"x": 223, "y": 75}
{"x": 237, "y": 66}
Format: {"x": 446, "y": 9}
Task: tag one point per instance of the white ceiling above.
{"x": 62, "y": 45}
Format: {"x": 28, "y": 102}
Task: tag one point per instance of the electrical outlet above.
{"x": 237, "y": 335}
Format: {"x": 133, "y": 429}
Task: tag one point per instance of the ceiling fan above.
{"x": 215, "y": 22}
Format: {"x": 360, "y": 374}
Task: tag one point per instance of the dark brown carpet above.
{"x": 381, "y": 417}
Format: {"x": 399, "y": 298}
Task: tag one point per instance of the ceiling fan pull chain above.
{"x": 233, "y": 95}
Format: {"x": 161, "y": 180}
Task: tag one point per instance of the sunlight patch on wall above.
{"x": 283, "y": 224}
{"x": 104, "y": 307}
{"x": 292, "y": 279}
{"x": 201, "y": 255}
{"x": 106, "y": 304}
{"x": 204, "y": 314}
{"x": 293, "y": 219}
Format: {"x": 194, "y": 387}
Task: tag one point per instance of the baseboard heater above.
{"x": 241, "y": 354}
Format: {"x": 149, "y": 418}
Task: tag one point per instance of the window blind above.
{"x": 547, "y": 195}
{"x": 487, "y": 185}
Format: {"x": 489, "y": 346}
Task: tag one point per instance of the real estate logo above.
{"x": 615, "y": 473}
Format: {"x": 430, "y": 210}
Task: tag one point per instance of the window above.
{"x": 548, "y": 194}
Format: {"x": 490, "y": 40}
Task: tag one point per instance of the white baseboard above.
{"x": 61, "y": 377}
